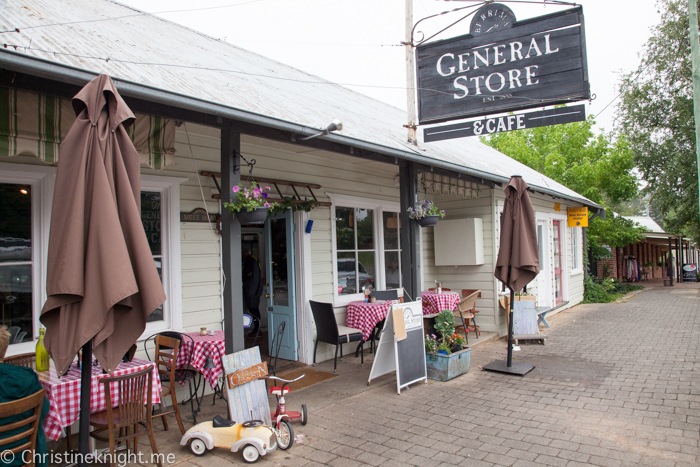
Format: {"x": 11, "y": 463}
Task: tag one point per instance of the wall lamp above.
{"x": 336, "y": 125}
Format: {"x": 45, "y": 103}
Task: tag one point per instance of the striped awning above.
{"x": 35, "y": 124}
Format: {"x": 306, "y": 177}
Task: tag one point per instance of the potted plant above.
{"x": 447, "y": 356}
{"x": 251, "y": 204}
{"x": 427, "y": 214}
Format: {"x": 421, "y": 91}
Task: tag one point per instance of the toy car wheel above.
{"x": 304, "y": 417}
{"x": 250, "y": 454}
{"x": 285, "y": 436}
{"x": 198, "y": 447}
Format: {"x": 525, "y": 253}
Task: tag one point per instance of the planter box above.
{"x": 445, "y": 367}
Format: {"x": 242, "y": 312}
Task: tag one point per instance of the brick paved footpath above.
{"x": 616, "y": 385}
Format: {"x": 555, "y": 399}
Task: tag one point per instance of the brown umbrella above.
{"x": 102, "y": 282}
{"x": 518, "y": 260}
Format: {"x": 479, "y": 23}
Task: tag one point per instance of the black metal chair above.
{"x": 328, "y": 331}
{"x": 276, "y": 344}
{"x": 184, "y": 374}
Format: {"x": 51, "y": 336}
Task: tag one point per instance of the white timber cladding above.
{"x": 465, "y": 277}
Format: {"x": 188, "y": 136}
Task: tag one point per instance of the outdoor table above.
{"x": 436, "y": 302}
{"x": 212, "y": 346}
{"x": 365, "y": 316}
{"x": 64, "y": 393}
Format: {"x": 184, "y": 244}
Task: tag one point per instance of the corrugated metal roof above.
{"x": 155, "y": 52}
{"x": 647, "y": 223}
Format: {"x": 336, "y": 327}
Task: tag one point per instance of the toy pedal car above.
{"x": 252, "y": 438}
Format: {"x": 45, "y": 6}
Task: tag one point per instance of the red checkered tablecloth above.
{"x": 438, "y": 302}
{"x": 64, "y": 393}
{"x": 365, "y": 316}
{"x": 212, "y": 346}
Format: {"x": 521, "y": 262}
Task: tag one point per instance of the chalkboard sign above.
{"x": 402, "y": 346}
{"x": 690, "y": 273}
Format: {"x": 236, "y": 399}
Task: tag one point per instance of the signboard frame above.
{"x": 577, "y": 217}
{"x": 456, "y": 76}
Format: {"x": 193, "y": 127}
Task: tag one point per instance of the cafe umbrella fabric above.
{"x": 102, "y": 282}
{"x": 518, "y": 250}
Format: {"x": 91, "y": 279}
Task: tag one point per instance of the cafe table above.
{"x": 64, "y": 393}
{"x": 365, "y": 316}
{"x": 200, "y": 348}
{"x": 436, "y": 302}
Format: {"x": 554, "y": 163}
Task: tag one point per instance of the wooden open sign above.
{"x": 246, "y": 375}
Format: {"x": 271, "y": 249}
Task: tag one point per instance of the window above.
{"x": 150, "y": 217}
{"x": 366, "y": 246}
{"x": 576, "y": 263}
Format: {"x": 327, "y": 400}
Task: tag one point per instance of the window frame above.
{"x": 575, "y": 244}
{"x": 42, "y": 180}
{"x": 378, "y": 207}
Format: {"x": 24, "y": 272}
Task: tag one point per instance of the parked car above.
{"x": 346, "y": 276}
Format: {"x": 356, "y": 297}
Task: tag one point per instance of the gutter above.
{"x": 43, "y": 68}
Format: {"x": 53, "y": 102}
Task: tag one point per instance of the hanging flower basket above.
{"x": 256, "y": 216}
{"x": 428, "y": 221}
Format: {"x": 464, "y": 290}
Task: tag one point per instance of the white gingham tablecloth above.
{"x": 365, "y": 316}
{"x": 213, "y": 346}
{"x": 64, "y": 393}
{"x": 438, "y": 302}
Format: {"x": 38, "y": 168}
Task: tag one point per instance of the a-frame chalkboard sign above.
{"x": 402, "y": 346}
{"x": 247, "y": 394}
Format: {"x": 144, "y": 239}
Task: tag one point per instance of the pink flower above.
{"x": 267, "y": 187}
{"x": 255, "y": 194}
{"x": 267, "y": 205}
{"x": 247, "y": 195}
{"x": 236, "y": 189}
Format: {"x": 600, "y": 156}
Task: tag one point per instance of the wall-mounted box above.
{"x": 459, "y": 242}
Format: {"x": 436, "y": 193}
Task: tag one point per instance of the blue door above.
{"x": 281, "y": 303}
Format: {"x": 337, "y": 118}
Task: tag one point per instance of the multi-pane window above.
{"x": 575, "y": 249}
{"x": 392, "y": 250}
{"x": 151, "y": 219}
{"x": 356, "y": 249}
{"x": 16, "y": 261}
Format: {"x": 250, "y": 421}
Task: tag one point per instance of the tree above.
{"x": 656, "y": 115}
{"x": 597, "y": 167}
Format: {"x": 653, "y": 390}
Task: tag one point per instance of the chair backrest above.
{"x": 26, "y": 359}
{"x": 180, "y": 337}
{"x": 467, "y": 303}
{"x": 28, "y": 426}
{"x": 444, "y": 289}
{"x": 13, "y": 330}
{"x": 165, "y": 359}
{"x": 132, "y": 390}
{"x": 276, "y": 344}
{"x": 385, "y": 294}
{"x": 326, "y": 325}
{"x": 468, "y": 292}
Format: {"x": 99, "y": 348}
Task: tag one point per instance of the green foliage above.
{"x": 289, "y": 203}
{"x": 656, "y": 114}
{"x": 249, "y": 198}
{"x": 448, "y": 340}
{"x": 605, "y": 290}
{"x": 597, "y": 167}
{"x": 445, "y": 324}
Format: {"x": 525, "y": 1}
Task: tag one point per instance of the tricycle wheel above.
{"x": 198, "y": 447}
{"x": 250, "y": 454}
{"x": 285, "y": 436}
{"x": 304, "y": 417}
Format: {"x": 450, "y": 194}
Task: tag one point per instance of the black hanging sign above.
{"x": 531, "y": 63}
{"x": 197, "y": 215}
{"x": 491, "y": 125}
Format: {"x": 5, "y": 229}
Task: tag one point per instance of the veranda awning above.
{"x": 35, "y": 124}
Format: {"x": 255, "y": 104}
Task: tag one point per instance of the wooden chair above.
{"x": 328, "y": 331}
{"x": 26, "y": 360}
{"x": 467, "y": 293}
{"x": 132, "y": 390}
{"x": 464, "y": 311}
{"x": 167, "y": 349}
{"x": 28, "y": 425}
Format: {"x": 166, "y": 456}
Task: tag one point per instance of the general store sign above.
{"x": 536, "y": 62}
{"x": 577, "y": 217}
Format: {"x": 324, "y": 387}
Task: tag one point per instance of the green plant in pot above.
{"x": 448, "y": 341}
{"x": 250, "y": 204}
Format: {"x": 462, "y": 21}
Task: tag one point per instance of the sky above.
{"x": 357, "y": 42}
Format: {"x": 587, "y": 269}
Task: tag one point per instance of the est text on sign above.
{"x": 538, "y": 61}
{"x": 577, "y": 217}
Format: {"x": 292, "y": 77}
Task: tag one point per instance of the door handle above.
{"x": 267, "y": 295}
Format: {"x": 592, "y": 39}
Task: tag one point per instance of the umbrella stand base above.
{"x": 500, "y": 366}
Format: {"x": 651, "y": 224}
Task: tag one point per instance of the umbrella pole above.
{"x": 509, "y": 362}
{"x": 85, "y": 387}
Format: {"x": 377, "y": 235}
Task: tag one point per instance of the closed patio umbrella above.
{"x": 518, "y": 259}
{"x": 102, "y": 282}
